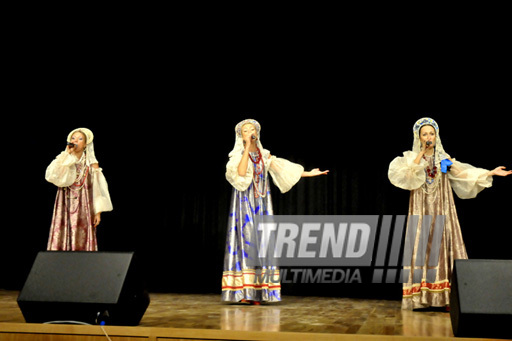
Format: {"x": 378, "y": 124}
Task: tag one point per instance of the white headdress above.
{"x": 239, "y": 142}
{"x": 89, "y": 149}
{"x": 439, "y": 153}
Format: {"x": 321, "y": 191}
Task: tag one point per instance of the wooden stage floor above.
{"x": 295, "y": 314}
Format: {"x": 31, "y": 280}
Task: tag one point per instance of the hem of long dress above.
{"x": 426, "y": 300}
{"x": 251, "y": 295}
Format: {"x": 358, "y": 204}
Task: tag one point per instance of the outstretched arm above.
{"x": 500, "y": 171}
{"x": 313, "y": 172}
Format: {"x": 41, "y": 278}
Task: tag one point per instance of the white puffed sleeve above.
{"x": 285, "y": 174}
{"x": 467, "y": 181}
{"x": 405, "y": 173}
{"x": 100, "y": 193}
{"x": 240, "y": 183}
{"x": 62, "y": 171}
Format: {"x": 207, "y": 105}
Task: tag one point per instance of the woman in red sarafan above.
{"x": 81, "y": 196}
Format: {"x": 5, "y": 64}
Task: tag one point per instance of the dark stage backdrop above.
{"x": 165, "y": 163}
{"x": 163, "y": 130}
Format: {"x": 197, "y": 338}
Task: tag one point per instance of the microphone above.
{"x": 253, "y": 137}
{"x": 429, "y": 143}
{"x": 72, "y": 145}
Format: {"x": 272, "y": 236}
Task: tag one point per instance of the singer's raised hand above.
{"x": 70, "y": 148}
{"x": 248, "y": 140}
{"x": 248, "y": 131}
{"x": 427, "y": 146}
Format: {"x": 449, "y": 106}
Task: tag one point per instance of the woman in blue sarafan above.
{"x": 244, "y": 280}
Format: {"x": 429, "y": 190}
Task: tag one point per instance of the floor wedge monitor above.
{"x": 481, "y": 298}
{"x": 84, "y": 287}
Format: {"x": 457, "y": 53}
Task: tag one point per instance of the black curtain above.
{"x": 163, "y": 132}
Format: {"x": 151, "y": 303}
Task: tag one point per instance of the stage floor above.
{"x": 293, "y": 314}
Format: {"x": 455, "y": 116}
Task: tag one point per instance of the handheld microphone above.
{"x": 429, "y": 143}
{"x": 72, "y": 145}
{"x": 253, "y": 137}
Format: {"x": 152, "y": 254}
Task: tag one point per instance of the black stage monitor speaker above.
{"x": 481, "y": 298}
{"x": 84, "y": 287}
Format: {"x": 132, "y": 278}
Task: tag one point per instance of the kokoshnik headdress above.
{"x": 239, "y": 142}
{"x": 439, "y": 153}
{"x": 89, "y": 148}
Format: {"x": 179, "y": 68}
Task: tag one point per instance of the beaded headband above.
{"x": 424, "y": 121}
{"x": 238, "y": 128}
